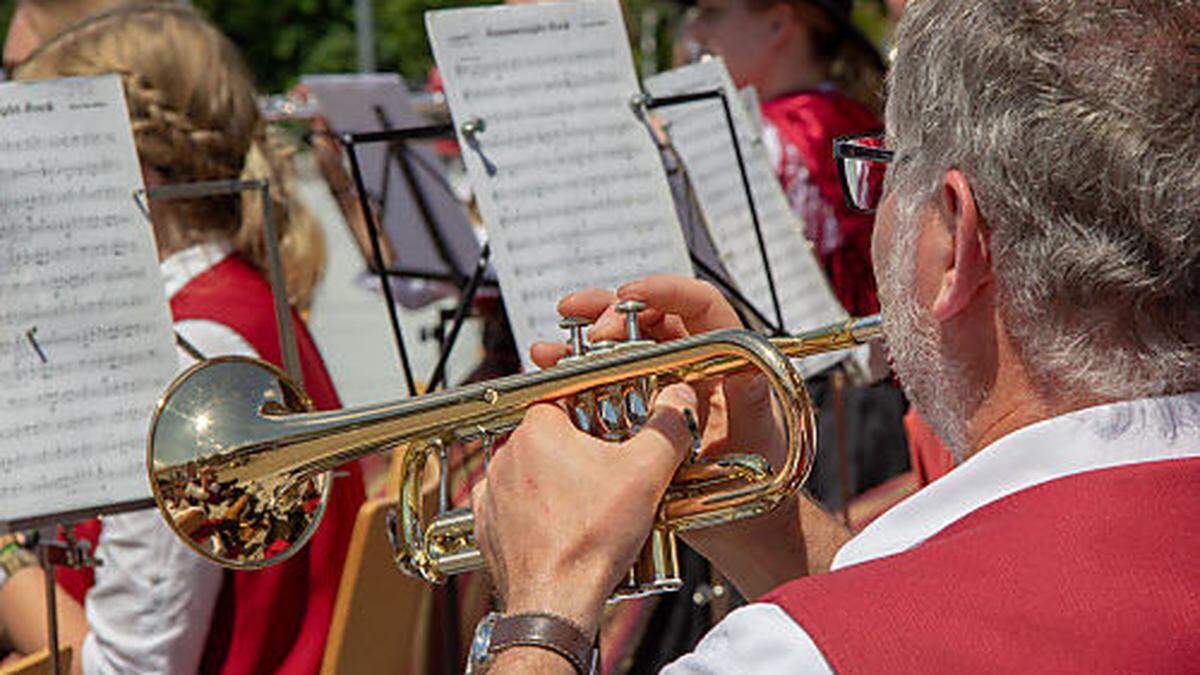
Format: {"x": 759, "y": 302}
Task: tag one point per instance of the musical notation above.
{"x": 78, "y": 270}
{"x": 569, "y": 182}
{"x": 700, "y": 134}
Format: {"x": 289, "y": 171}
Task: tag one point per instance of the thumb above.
{"x": 667, "y": 437}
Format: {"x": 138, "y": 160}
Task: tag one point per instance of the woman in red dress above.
{"x": 154, "y": 606}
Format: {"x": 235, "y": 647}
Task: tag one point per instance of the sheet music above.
{"x": 568, "y": 179}
{"x": 700, "y": 134}
{"x": 85, "y": 335}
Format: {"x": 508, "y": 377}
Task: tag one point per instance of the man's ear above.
{"x": 969, "y": 266}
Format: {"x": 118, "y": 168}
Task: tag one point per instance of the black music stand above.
{"x": 468, "y": 282}
{"x": 70, "y": 553}
{"x": 699, "y": 242}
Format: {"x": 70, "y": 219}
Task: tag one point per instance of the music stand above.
{"x": 76, "y": 554}
{"x": 275, "y": 275}
{"x": 709, "y": 269}
{"x": 398, "y": 151}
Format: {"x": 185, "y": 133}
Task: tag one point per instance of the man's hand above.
{"x": 561, "y": 516}
{"x": 737, "y": 414}
{"x": 677, "y": 307}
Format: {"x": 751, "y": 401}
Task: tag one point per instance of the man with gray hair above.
{"x": 1037, "y": 247}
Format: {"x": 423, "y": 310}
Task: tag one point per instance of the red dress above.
{"x": 802, "y": 127}
{"x": 274, "y": 620}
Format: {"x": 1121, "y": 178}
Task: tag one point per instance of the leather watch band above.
{"x": 546, "y": 631}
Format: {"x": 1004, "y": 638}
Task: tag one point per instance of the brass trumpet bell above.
{"x": 239, "y": 466}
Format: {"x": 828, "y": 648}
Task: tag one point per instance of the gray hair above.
{"x": 1077, "y": 123}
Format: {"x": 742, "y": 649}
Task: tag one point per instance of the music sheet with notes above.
{"x": 85, "y": 335}
{"x": 568, "y": 179}
{"x": 700, "y": 134}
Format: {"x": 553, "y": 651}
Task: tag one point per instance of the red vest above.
{"x": 275, "y": 619}
{"x": 1093, "y": 573}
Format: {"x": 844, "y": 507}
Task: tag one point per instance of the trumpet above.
{"x": 240, "y": 466}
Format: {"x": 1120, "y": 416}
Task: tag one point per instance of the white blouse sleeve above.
{"x": 153, "y": 600}
{"x": 758, "y": 638}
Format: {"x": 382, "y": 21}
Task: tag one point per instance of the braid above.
{"x": 194, "y": 118}
{"x": 170, "y": 140}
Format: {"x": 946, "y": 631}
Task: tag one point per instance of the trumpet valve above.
{"x": 631, "y": 308}
{"x": 576, "y": 339}
{"x": 637, "y": 407}
{"x": 610, "y": 413}
{"x": 583, "y": 412}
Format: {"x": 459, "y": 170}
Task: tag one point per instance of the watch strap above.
{"x": 545, "y": 631}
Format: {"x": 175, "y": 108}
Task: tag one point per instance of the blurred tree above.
{"x": 283, "y": 39}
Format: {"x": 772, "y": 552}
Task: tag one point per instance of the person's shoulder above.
{"x": 759, "y": 638}
{"x": 818, "y": 116}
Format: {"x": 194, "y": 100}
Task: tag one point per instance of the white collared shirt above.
{"x": 150, "y": 609}
{"x": 761, "y": 638}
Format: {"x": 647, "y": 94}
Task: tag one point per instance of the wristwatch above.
{"x": 497, "y": 632}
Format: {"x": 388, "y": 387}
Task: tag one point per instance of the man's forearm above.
{"x": 797, "y": 539}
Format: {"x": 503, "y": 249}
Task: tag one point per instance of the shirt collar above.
{"x": 182, "y": 266}
{"x": 1128, "y": 432}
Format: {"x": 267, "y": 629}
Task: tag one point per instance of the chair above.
{"x": 381, "y": 617}
{"x": 39, "y": 663}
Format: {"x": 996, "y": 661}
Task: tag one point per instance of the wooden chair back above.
{"x": 381, "y": 616}
{"x": 39, "y": 663}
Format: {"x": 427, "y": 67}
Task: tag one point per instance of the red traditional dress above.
{"x": 269, "y": 621}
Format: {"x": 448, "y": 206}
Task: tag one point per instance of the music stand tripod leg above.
{"x": 460, "y": 315}
{"x": 51, "y": 607}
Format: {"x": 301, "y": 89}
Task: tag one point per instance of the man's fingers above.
{"x": 546, "y": 354}
{"x": 698, "y": 303}
{"x": 551, "y": 421}
{"x": 653, "y": 324}
{"x": 668, "y": 436}
{"x": 479, "y": 509}
{"x": 588, "y": 303}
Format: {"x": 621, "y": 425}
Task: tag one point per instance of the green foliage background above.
{"x": 282, "y": 39}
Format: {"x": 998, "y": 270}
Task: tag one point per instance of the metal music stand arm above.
{"x": 52, "y": 553}
{"x": 217, "y": 188}
{"x": 349, "y": 141}
{"x": 651, "y": 103}
{"x": 396, "y": 139}
{"x": 460, "y": 315}
{"x": 399, "y": 152}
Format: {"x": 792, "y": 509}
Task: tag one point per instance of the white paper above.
{"x": 569, "y": 181}
{"x": 700, "y": 134}
{"x": 80, "y": 274}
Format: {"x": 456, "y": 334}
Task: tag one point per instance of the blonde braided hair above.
{"x": 194, "y": 116}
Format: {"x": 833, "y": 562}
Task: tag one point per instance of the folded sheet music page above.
{"x": 568, "y": 179}
{"x": 700, "y": 134}
{"x": 85, "y": 334}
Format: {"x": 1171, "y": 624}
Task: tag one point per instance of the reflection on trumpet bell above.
{"x": 210, "y": 504}
{"x": 238, "y": 466}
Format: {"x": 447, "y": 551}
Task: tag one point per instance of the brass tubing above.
{"x": 232, "y": 451}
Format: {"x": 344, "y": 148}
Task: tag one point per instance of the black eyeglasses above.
{"x": 862, "y": 162}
